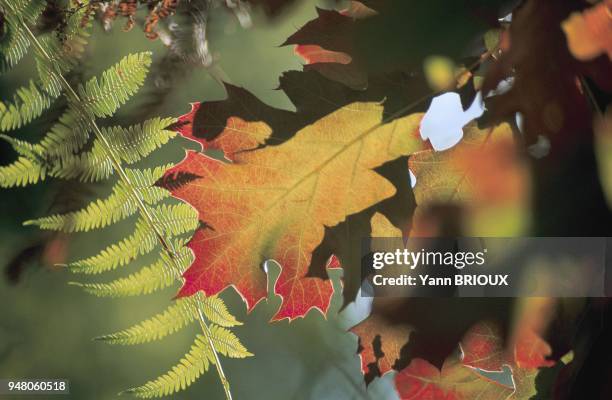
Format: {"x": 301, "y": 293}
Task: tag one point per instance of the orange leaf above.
{"x": 274, "y": 202}
{"x": 422, "y": 381}
{"x": 374, "y": 352}
{"x": 589, "y": 33}
{"x": 471, "y": 375}
{"x": 313, "y": 54}
{"x": 483, "y": 349}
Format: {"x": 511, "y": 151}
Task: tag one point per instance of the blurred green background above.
{"x": 47, "y": 326}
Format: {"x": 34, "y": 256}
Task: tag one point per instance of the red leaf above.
{"x": 274, "y": 202}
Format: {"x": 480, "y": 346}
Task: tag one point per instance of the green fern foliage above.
{"x": 177, "y": 316}
{"x": 140, "y": 242}
{"x": 147, "y": 280}
{"x": 76, "y": 147}
{"x": 193, "y": 364}
{"x": 173, "y": 220}
{"x": 182, "y": 375}
{"x": 67, "y": 136}
{"x": 174, "y": 318}
{"x": 30, "y": 101}
{"x": 136, "y": 142}
{"x": 216, "y": 312}
{"x": 226, "y": 343}
{"x": 118, "y": 206}
{"x": 14, "y": 44}
{"x": 57, "y": 154}
{"x": 22, "y": 172}
{"x": 117, "y": 85}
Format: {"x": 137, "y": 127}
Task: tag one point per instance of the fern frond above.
{"x": 140, "y": 242}
{"x": 182, "y": 375}
{"x": 104, "y": 212}
{"x": 50, "y": 83}
{"x": 67, "y": 51}
{"x": 28, "y": 103}
{"x": 67, "y": 136}
{"x": 22, "y": 147}
{"x": 194, "y": 364}
{"x": 116, "y": 86}
{"x": 144, "y": 179}
{"x": 14, "y": 44}
{"x": 60, "y": 154}
{"x": 99, "y": 213}
{"x": 226, "y": 343}
{"x": 130, "y": 145}
{"x": 22, "y": 172}
{"x": 29, "y": 10}
{"x": 138, "y": 141}
{"x": 175, "y": 317}
{"x": 148, "y": 280}
{"x": 93, "y": 166}
{"x": 176, "y": 219}
{"x": 215, "y": 311}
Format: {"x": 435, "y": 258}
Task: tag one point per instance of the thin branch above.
{"x": 591, "y": 96}
{"x": 485, "y": 56}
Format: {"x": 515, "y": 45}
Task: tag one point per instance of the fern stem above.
{"x": 116, "y": 162}
{"x": 207, "y": 334}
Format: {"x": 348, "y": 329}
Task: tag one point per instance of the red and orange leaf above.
{"x": 380, "y": 343}
{"x": 274, "y": 202}
{"x": 374, "y": 353}
{"x": 334, "y": 65}
{"x": 531, "y": 350}
{"x": 325, "y": 44}
{"x": 313, "y": 54}
{"x": 470, "y": 170}
{"x": 482, "y": 174}
{"x": 422, "y": 381}
{"x": 533, "y": 318}
{"x": 483, "y": 348}
{"x": 462, "y": 377}
{"x": 237, "y": 134}
{"x": 589, "y": 33}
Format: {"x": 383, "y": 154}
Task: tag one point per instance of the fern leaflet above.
{"x": 189, "y": 368}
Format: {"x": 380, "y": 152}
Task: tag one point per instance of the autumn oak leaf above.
{"x": 274, "y": 202}
{"x": 421, "y": 380}
{"x": 484, "y": 369}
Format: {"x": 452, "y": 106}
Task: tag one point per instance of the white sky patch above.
{"x": 502, "y": 87}
{"x": 413, "y": 179}
{"x": 356, "y": 311}
{"x": 443, "y": 122}
{"x": 519, "y": 121}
